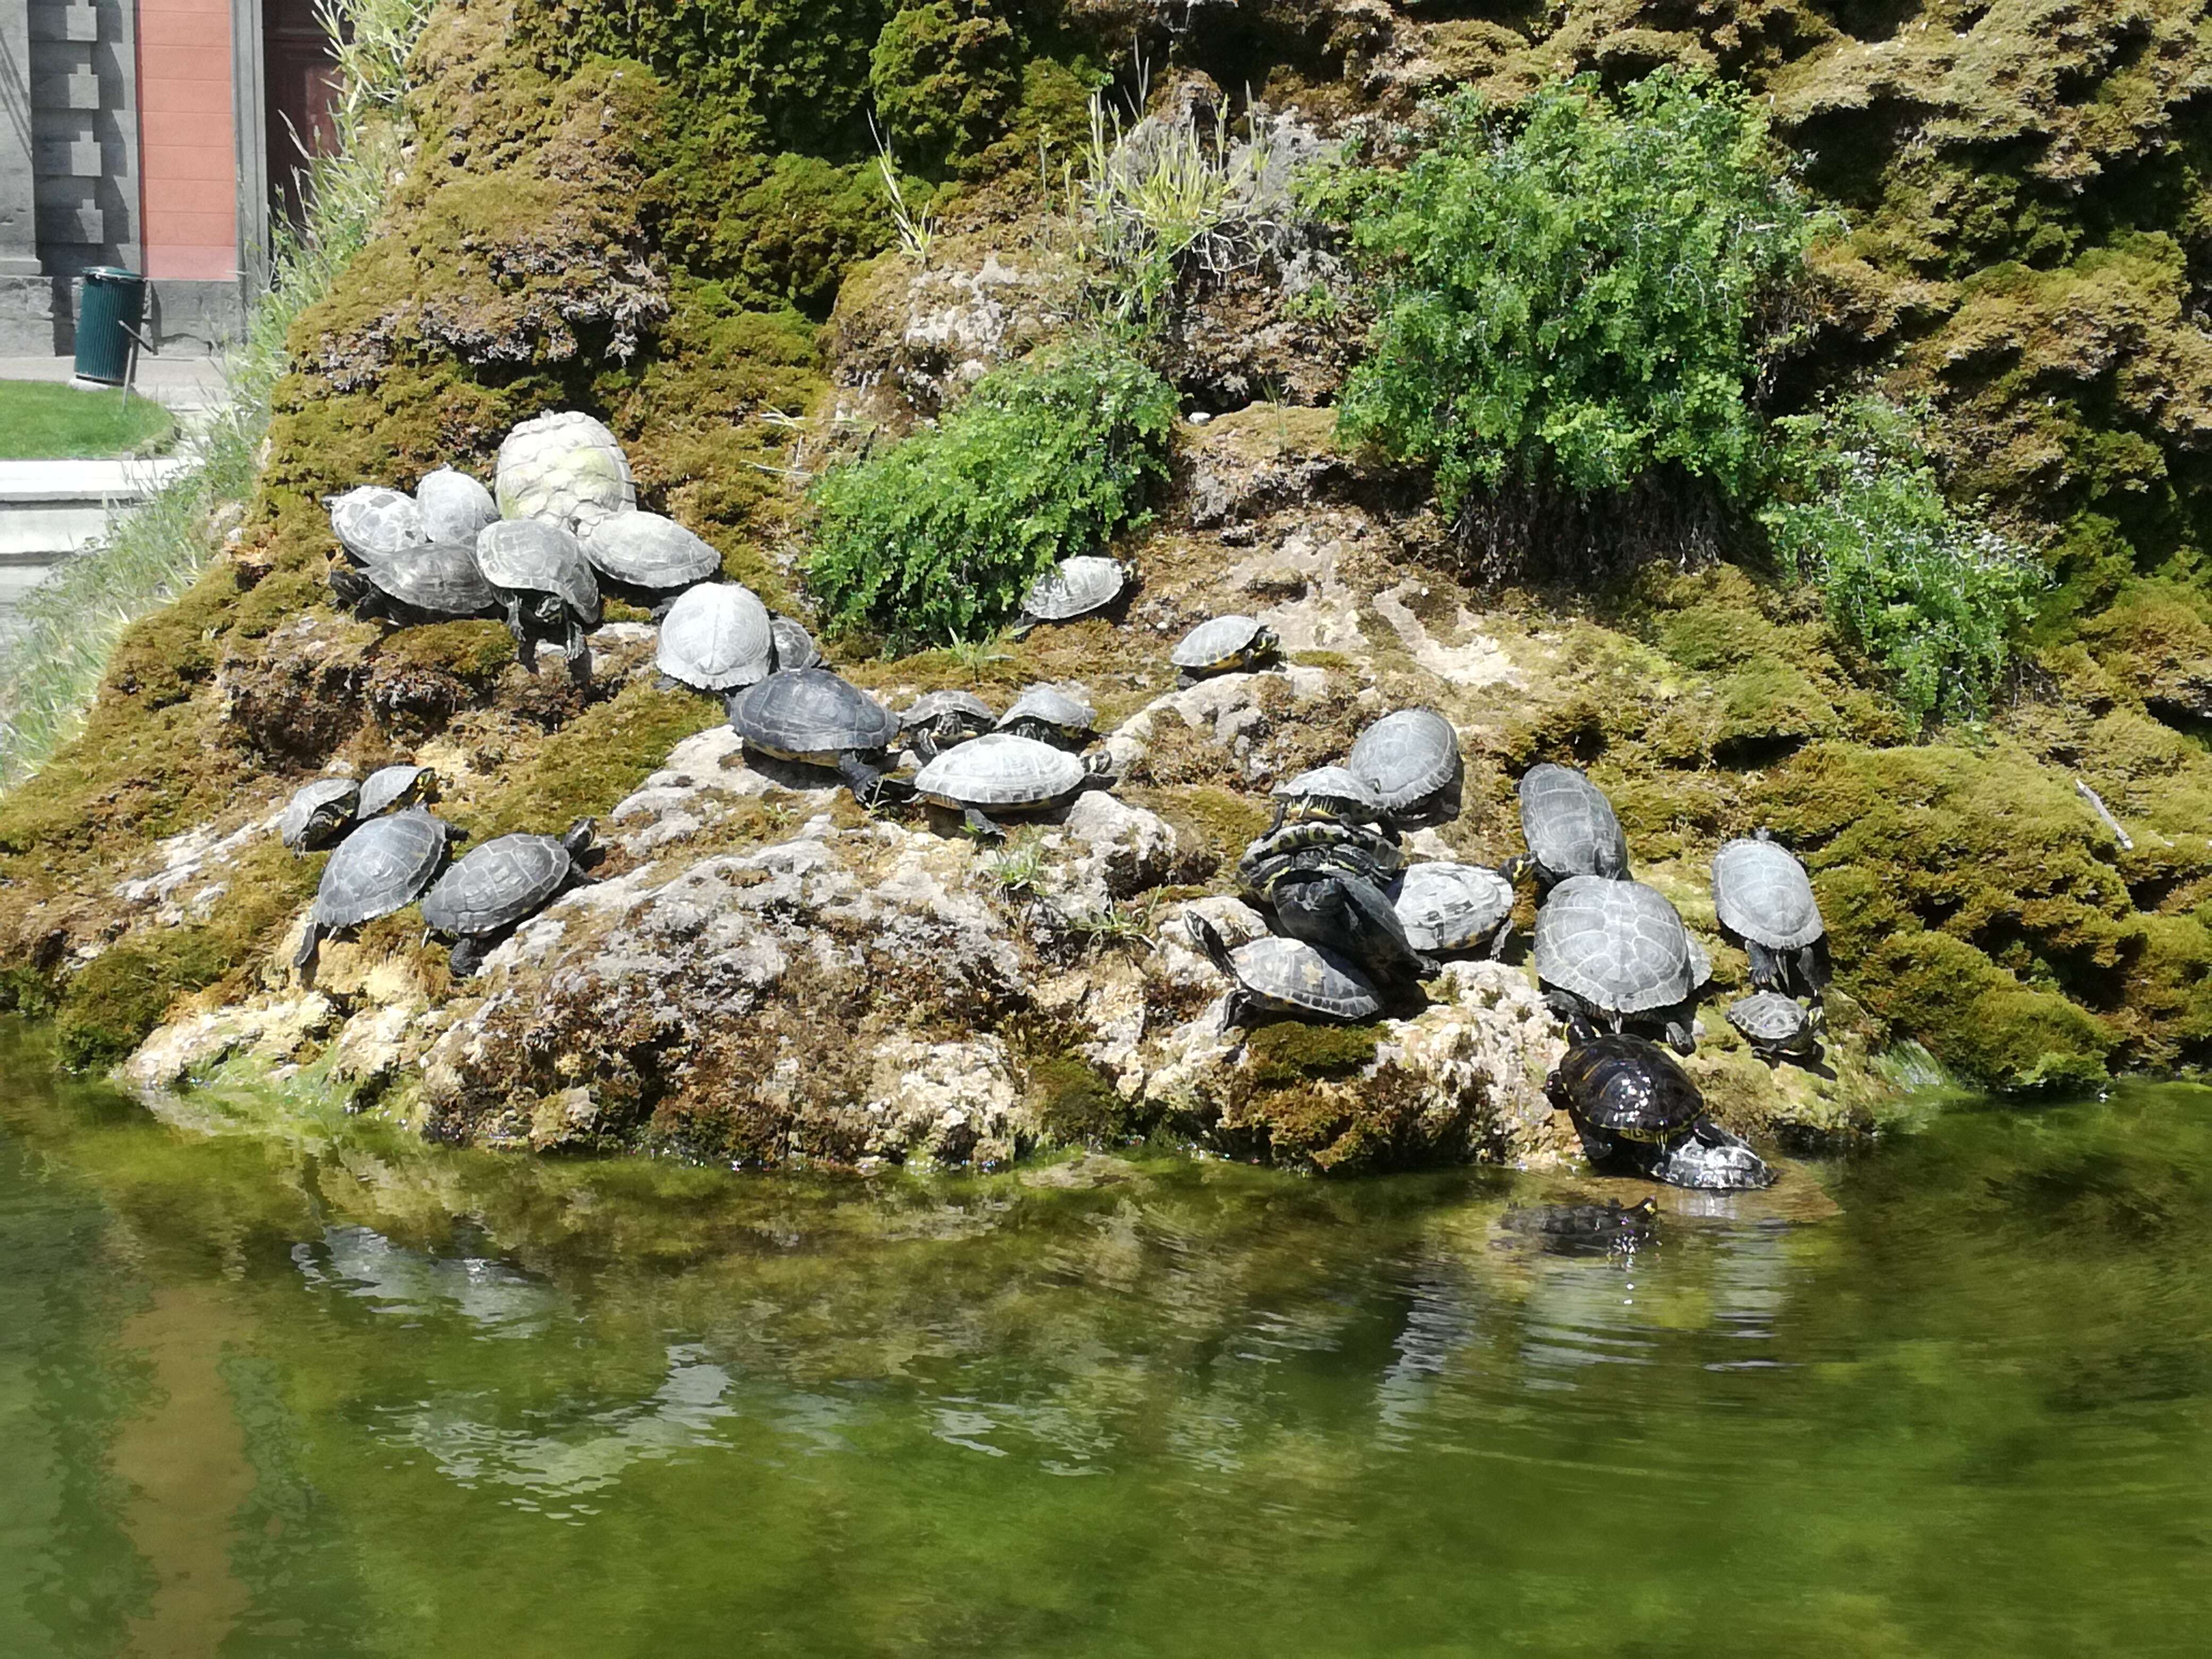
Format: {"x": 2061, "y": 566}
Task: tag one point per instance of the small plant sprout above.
{"x": 1018, "y": 870}
{"x": 917, "y": 227}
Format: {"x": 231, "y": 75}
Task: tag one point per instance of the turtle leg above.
{"x": 1766, "y": 973}
{"x": 1681, "y": 1037}
{"x": 311, "y": 939}
{"x": 525, "y": 648}
{"x": 980, "y": 826}
{"x": 466, "y": 957}
{"x": 1501, "y": 938}
{"x": 577, "y": 650}
{"x": 923, "y": 745}
{"x": 869, "y": 786}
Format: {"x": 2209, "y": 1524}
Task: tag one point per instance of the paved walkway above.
{"x": 186, "y": 385}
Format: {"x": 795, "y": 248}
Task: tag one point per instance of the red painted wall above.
{"x": 187, "y": 154}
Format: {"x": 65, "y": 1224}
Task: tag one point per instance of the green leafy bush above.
{"x": 1576, "y": 291}
{"x": 937, "y": 538}
{"x": 1929, "y": 593}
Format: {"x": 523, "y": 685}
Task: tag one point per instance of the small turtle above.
{"x": 1001, "y": 772}
{"x": 1777, "y": 1027}
{"x": 500, "y": 885}
{"x": 546, "y": 584}
{"x": 645, "y": 558}
{"x": 717, "y": 637}
{"x": 1050, "y": 715}
{"x": 1410, "y": 759}
{"x": 1346, "y": 913}
{"x": 812, "y": 716}
{"x": 384, "y": 866}
{"x": 430, "y": 581}
{"x": 794, "y": 645}
{"x": 1455, "y": 907}
{"x": 1223, "y": 646}
{"x": 562, "y": 466}
{"x": 1286, "y": 976}
{"x": 1617, "y": 949}
{"x": 1351, "y": 848}
{"x": 938, "y": 719}
{"x": 318, "y": 813}
{"x": 1328, "y": 792}
{"x": 1073, "y": 587}
{"x": 1764, "y": 900}
{"x": 1632, "y": 1104}
{"x": 1570, "y": 829}
{"x": 454, "y": 506}
{"x": 372, "y": 523}
{"x": 396, "y": 786}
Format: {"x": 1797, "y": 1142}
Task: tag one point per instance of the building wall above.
{"x": 189, "y": 146}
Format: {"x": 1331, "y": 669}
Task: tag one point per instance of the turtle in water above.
{"x": 794, "y": 646}
{"x": 1765, "y": 902}
{"x": 716, "y": 637}
{"x": 1074, "y": 588}
{"x": 1326, "y": 905}
{"x": 454, "y": 506}
{"x": 545, "y": 585}
{"x": 500, "y": 885}
{"x": 1328, "y": 792}
{"x": 1617, "y": 950}
{"x": 1002, "y": 772}
{"x": 1050, "y": 715}
{"x": 372, "y": 523}
{"x": 1411, "y": 760}
{"x": 1223, "y": 646}
{"x": 384, "y": 866}
{"x": 812, "y": 716}
{"x": 390, "y": 787}
{"x": 319, "y": 814}
{"x": 428, "y": 582}
{"x": 1777, "y": 1027}
{"x": 1454, "y": 906}
{"x": 1633, "y": 1105}
{"x": 1607, "y": 1228}
{"x": 1570, "y": 829}
{"x": 1286, "y": 976}
{"x": 936, "y": 721}
{"x": 564, "y": 466}
{"x": 645, "y": 558}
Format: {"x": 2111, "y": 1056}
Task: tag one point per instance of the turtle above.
{"x": 1001, "y": 772}
{"x": 1570, "y": 829}
{"x": 1330, "y": 792}
{"x": 562, "y": 466}
{"x": 430, "y": 581}
{"x": 372, "y": 523}
{"x": 1347, "y": 914}
{"x": 319, "y": 814}
{"x": 794, "y": 646}
{"x": 1410, "y": 759}
{"x": 1617, "y": 950}
{"x": 1308, "y": 842}
{"x": 1454, "y": 906}
{"x": 1764, "y": 900}
{"x": 1073, "y": 587}
{"x": 1633, "y": 1104}
{"x": 500, "y": 883}
{"x": 384, "y": 866}
{"x": 716, "y": 637}
{"x": 1286, "y": 976}
{"x": 396, "y": 786}
{"x": 546, "y": 584}
{"x": 1223, "y": 646}
{"x": 936, "y": 721}
{"x": 1776, "y": 1026}
{"x": 1050, "y": 715}
{"x": 812, "y": 716}
{"x": 645, "y": 558}
{"x": 454, "y": 506}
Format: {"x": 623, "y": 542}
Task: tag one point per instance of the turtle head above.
{"x": 1208, "y": 937}
{"x": 577, "y": 838}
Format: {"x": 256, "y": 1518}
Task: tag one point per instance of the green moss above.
{"x": 1075, "y": 1102}
{"x": 944, "y": 75}
{"x": 1290, "y": 1051}
{"x": 587, "y": 767}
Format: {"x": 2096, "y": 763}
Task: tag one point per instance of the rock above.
{"x": 177, "y": 1052}
{"x": 1131, "y": 849}
{"x": 946, "y": 1102}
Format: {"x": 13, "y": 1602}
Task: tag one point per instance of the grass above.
{"x": 47, "y": 421}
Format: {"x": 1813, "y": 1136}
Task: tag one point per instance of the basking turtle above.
{"x": 1073, "y": 587}
{"x": 645, "y": 558}
{"x": 794, "y": 645}
{"x": 430, "y": 581}
{"x": 1049, "y": 714}
{"x": 1353, "y": 848}
{"x": 812, "y": 716}
{"x": 1616, "y": 951}
{"x": 1777, "y": 1027}
{"x": 1328, "y": 906}
{"x": 1410, "y": 759}
{"x": 938, "y": 719}
{"x": 563, "y": 466}
{"x": 1327, "y": 793}
{"x": 1001, "y": 772}
{"x": 500, "y": 885}
{"x": 1455, "y": 907}
{"x": 384, "y": 866}
{"x": 1570, "y": 829}
{"x": 716, "y": 637}
{"x": 372, "y": 523}
{"x": 1633, "y": 1105}
{"x": 1223, "y": 646}
{"x": 1764, "y": 900}
{"x": 547, "y": 586}
{"x": 1286, "y": 976}
{"x": 319, "y": 814}
{"x": 454, "y": 506}
{"x": 396, "y": 786}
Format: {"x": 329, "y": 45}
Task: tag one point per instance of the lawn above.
{"x": 46, "y": 419}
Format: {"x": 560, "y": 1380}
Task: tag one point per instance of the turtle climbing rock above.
{"x": 1570, "y": 829}
{"x": 813, "y": 717}
{"x": 1635, "y": 1107}
{"x": 1273, "y": 976}
{"x": 1001, "y": 772}
{"x": 545, "y": 585}
{"x": 1074, "y": 588}
{"x": 1777, "y": 1027}
{"x": 564, "y": 466}
{"x": 319, "y": 814}
{"x": 372, "y": 523}
{"x": 938, "y": 719}
{"x": 1764, "y": 900}
{"x": 1616, "y": 952}
{"x": 427, "y": 582}
{"x": 1051, "y": 715}
{"x": 716, "y": 637}
{"x": 390, "y": 787}
{"x": 645, "y": 558}
{"x": 794, "y": 646}
{"x": 1455, "y": 907}
{"x": 1223, "y": 646}
{"x": 384, "y": 866}
{"x": 1410, "y": 759}
{"x": 501, "y": 884}
{"x": 454, "y": 506}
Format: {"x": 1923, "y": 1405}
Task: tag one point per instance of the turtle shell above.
{"x": 1075, "y": 587}
{"x": 1407, "y": 758}
{"x": 1000, "y": 769}
{"x": 536, "y": 555}
{"x": 1353, "y": 848}
{"x": 794, "y": 645}
{"x": 497, "y": 884}
{"x": 963, "y": 706}
{"x": 391, "y": 786}
{"x": 1619, "y": 946}
{"x": 716, "y": 637}
{"x": 1569, "y": 825}
{"x": 439, "y": 578}
{"x": 1771, "y": 1020}
{"x": 454, "y": 506}
{"x": 810, "y": 715}
{"x": 647, "y": 550}
{"x": 1288, "y": 975}
{"x": 1451, "y": 907}
{"x": 1627, "y": 1086}
{"x": 1226, "y": 642}
{"x": 1341, "y": 792}
{"x": 1763, "y": 894}
{"x": 372, "y": 523}
{"x": 382, "y": 866}
{"x": 1050, "y": 706}
{"x": 561, "y": 465}
{"x": 317, "y": 812}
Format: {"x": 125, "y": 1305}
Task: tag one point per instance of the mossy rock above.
{"x": 1289, "y": 1052}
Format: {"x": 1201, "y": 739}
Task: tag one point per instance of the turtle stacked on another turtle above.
{"x": 1636, "y": 1108}
{"x": 546, "y": 587}
{"x": 1765, "y": 902}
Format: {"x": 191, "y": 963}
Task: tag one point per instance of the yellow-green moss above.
{"x": 1289, "y": 1051}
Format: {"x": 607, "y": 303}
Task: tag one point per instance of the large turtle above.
{"x": 384, "y": 866}
{"x": 1327, "y": 792}
{"x": 938, "y": 719}
{"x": 1001, "y": 772}
{"x": 1777, "y": 1027}
{"x": 562, "y": 466}
{"x": 1223, "y": 646}
{"x": 1410, "y": 759}
{"x": 1570, "y": 826}
{"x": 645, "y": 558}
{"x": 546, "y": 586}
{"x": 1286, "y": 976}
{"x": 389, "y": 786}
{"x": 1633, "y": 1105}
{"x": 812, "y": 716}
{"x": 1455, "y": 907}
{"x": 429, "y": 581}
{"x": 454, "y": 506}
{"x": 1764, "y": 900}
{"x": 372, "y": 523}
{"x": 716, "y": 637}
{"x": 1616, "y": 951}
{"x": 500, "y": 885}
{"x": 1050, "y": 715}
{"x": 1324, "y": 904}
{"x": 318, "y": 813}
{"x": 1073, "y": 587}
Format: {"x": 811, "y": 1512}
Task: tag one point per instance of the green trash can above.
{"x": 113, "y": 303}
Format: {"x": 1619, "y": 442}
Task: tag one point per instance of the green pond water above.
{"x": 317, "y": 1391}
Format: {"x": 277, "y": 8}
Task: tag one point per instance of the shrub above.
{"x": 1926, "y": 592}
{"x": 937, "y": 538}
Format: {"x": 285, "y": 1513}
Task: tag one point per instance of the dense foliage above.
{"x": 936, "y": 538}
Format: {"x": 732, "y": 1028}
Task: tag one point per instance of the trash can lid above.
{"x": 111, "y": 274}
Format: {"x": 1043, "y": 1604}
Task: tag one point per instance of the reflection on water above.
{"x": 299, "y": 1393}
